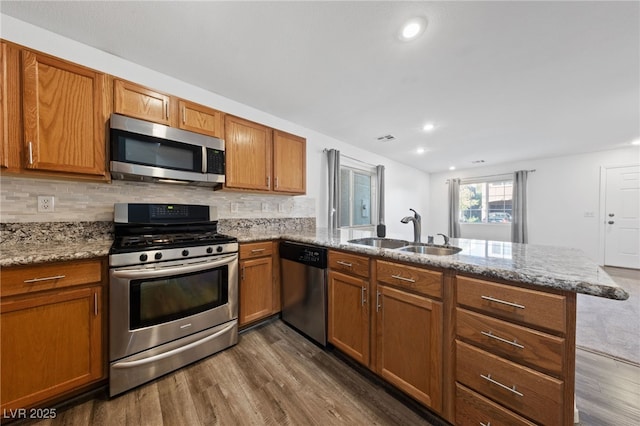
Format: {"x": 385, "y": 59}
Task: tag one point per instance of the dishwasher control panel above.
{"x": 304, "y": 253}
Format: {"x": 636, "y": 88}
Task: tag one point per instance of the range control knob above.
{"x": 209, "y": 250}
{"x": 143, "y": 257}
{"x": 219, "y": 249}
{"x": 185, "y": 252}
{"x": 158, "y": 256}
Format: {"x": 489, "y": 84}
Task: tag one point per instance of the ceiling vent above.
{"x": 477, "y": 161}
{"x": 386, "y": 138}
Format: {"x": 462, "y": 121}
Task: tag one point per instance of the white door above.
{"x": 622, "y": 217}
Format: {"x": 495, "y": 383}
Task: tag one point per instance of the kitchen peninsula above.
{"x": 499, "y": 318}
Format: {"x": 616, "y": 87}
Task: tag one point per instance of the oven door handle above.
{"x": 129, "y": 364}
{"x": 168, "y": 270}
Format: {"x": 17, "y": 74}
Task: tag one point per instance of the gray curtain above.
{"x": 519, "y": 233}
{"x": 333, "y": 160}
{"x": 454, "y": 208}
{"x": 380, "y": 189}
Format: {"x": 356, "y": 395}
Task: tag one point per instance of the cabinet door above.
{"x": 50, "y": 344}
{"x": 64, "y": 116}
{"x": 256, "y": 290}
{"x": 409, "y": 344}
{"x": 289, "y": 163}
{"x": 139, "y": 102}
{"x": 200, "y": 119}
{"x": 349, "y": 315}
{"x": 248, "y": 154}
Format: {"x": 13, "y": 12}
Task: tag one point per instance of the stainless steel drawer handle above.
{"x": 37, "y": 280}
{"x": 504, "y": 302}
{"x": 503, "y": 340}
{"x": 30, "y": 152}
{"x": 347, "y": 264}
{"x": 398, "y": 277}
{"x": 378, "y": 305}
{"x": 257, "y": 250}
{"x": 495, "y": 382}
{"x": 363, "y": 298}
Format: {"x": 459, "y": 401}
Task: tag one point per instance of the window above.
{"x": 486, "y": 202}
{"x": 357, "y": 197}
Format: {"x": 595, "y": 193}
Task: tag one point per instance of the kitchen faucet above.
{"x": 417, "y": 224}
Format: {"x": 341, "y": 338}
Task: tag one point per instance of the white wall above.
{"x": 562, "y": 193}
{"x": 402, "y": 182}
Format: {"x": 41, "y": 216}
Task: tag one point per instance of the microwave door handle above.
{"x": 164, "y": 271}
{"x": 204, "y": 159}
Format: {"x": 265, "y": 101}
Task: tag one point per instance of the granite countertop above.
{"x": 558, "y": 268}
{"x": 38, "y": 252}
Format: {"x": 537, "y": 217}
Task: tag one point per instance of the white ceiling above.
{"x": 502, "y": 81}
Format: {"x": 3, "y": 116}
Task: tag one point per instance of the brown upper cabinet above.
{"x": 260, "y": 158}
{"x": 289, "y": 163}
{"x": 137, "y": 101}
{"x": 61, "y": 130}
{"x": 6, "y": 81}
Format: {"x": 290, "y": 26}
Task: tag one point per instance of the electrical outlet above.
{"x": 265, "y": 207}
{"x": 282, "y": 208}
{"x": 45, "y": 204}
{"x": 234, "y": 207}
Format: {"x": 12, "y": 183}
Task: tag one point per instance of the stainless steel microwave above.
{"x": 151, "y": 152}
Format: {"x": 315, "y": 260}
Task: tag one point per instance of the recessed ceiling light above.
{"x": 452, "y": 167}
{"x": 420, "y": 150}
{"x": 428, "y": 127}
{"x": 635, "y": 142}
{"x": 412, "y": 28}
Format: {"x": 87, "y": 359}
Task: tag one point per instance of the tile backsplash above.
{"x": 93, "y": 201}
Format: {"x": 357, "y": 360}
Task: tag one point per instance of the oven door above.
{"x": 153, "y": 306}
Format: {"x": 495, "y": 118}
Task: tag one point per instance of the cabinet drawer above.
{"x": 521, "y": 389}
{"x": 474, "y": 409}
{"x": 349, "y": 263}
{"x": 249, "y": 251}
{"x": 519, "y": 344}
{"x": 513, "y": 303}
{"x": 416, "y": 279}
{"x": 34, "y": 278}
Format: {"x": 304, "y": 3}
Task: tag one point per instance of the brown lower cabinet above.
{"x": 348, "y": 311}
{"x": 257, "y": 295}
{"x": 409, "y": 343}
{"x": 514, "y": 354}
{"x": 393, "y": 326}
{"x": 52, "y": 331}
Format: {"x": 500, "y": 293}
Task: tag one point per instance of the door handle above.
{"x": 611, "y": 222}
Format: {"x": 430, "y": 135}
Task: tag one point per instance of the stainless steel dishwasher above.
{"x": 304, "y": 289}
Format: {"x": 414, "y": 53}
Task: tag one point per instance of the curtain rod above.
{"x": 489, "y": 176}
{"x": 352, "y": 158}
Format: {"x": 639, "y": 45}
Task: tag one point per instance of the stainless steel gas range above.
{"x": 173, "y": 291}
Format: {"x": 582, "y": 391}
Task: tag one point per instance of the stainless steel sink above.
{"x": 436, "y": 250}
{"x": 388, "y": 243}
{"x": 402, "y": 245}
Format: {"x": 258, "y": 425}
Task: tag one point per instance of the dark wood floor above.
{"x": 607, "y": 390}
{"x": 276, "y": 377}
{"x": 273, "y": 376}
